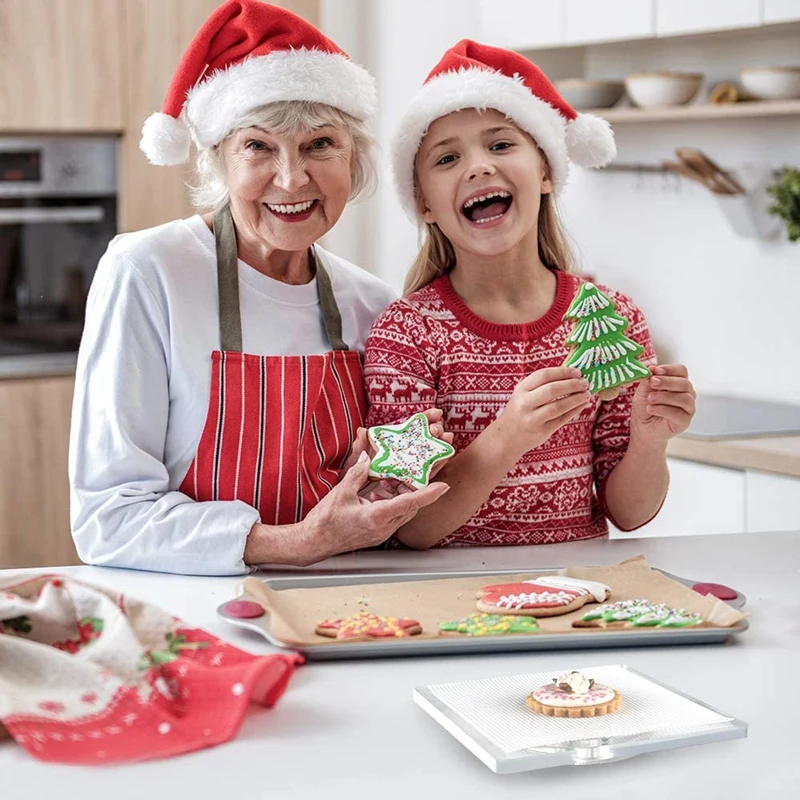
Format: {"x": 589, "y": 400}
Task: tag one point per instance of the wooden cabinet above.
{"x": 522, "y": 24}
{"x": 60, "y": 66}
{"x": 34, "y": 486}
{"x": 702, "y": 499}
{"x": 608, "y": 20}
{"x": 780, "y": 11}
{"x": 156, "y": 33}
{"x": 773, "y": 502}
{"x": 690, "y": 16}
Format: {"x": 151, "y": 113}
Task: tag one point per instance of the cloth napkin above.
{"x": 91, "y": 676}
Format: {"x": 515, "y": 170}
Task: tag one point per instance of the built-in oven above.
{"x": 58, "y": 212}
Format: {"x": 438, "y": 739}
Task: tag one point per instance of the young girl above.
{"x": 481, "y": 154}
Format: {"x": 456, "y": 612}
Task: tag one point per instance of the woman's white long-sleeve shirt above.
{"x": 142, "y": 389}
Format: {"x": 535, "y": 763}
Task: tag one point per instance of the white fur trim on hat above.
{"x": 482, "y": 89}
{"x": 215, "y": 105}
{"x": 165, "y": 140}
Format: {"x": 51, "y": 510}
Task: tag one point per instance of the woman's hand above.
{"x": 541, "y": 403}
{"x": 345, "y": 521}
{"x": 663, "y": 406}
{"x": 383, "y": 489}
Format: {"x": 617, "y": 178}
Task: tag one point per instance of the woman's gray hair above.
{"x": 209, "y": 192}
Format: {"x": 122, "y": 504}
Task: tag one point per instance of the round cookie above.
{"x": 547, "y": 596}
{"x": 574, "y": 695}
{"x": 368, "y": 626}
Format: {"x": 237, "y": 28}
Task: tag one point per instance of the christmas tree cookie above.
{"x": 407, "y": 452}
{"x": 600, "y": 350}
{"x": 490, "y": 625}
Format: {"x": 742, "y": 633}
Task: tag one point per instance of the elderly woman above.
{"x": 219, "y": 387}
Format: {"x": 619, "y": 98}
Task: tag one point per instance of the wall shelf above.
{"x": 753, "y": 108}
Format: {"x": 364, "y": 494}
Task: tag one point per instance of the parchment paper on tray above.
{"x": 294, "y": 613}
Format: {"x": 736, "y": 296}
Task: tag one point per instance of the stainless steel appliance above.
{"x": 58, "y": 212}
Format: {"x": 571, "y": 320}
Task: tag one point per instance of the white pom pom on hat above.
{"x": 247, "y": 54}
{"x": 474, "y": 75}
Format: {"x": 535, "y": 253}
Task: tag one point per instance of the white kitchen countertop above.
{"x": 350, "y": 729}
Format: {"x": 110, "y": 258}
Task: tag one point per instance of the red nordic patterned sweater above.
{"x": 430, "y": 349}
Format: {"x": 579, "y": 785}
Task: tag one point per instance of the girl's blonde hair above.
{"x": 437, "y": 257}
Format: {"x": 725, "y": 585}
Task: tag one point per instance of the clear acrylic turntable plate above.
{"x": 491, "y": 719}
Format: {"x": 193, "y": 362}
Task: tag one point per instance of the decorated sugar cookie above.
{"x": 407, "y": 452}
{"x": 547, "y": 596}
{"x": 637, "y": 614}
{"x": 574, "y": 695}
{"x": 605, "y": 356}
{"x": 368, "y": 626}
{"x": 491, "y": 625}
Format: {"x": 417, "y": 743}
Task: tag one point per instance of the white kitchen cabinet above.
{"x": 773, "y": 502}
{"x": 608, "y": 20}
{"x": 690, "y": 16}
{"x": 781, "y": 11}
{"x": 702, "y": 499}
{"x": 522, "y": 24}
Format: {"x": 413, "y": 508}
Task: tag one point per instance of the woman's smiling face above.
{"x": 288, "y": 190}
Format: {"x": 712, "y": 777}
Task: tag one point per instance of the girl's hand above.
{"x": 540, "y": 404}
{"x": 663, "y": 405}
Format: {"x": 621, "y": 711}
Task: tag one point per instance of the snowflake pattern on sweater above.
{"x": 430, "y": 349}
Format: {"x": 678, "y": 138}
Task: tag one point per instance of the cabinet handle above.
{"x": 21, "y": 216}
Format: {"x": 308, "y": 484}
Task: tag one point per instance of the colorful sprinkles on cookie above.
{"x": 368, "y": 626}
{"x": 491, "y": 625}
{"x": 407, "y": 452}
{"x": 605, "y": 356}
{"x": 643, "y": 614}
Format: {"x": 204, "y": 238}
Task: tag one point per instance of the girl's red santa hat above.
{"x": 473, "y": 75}
{"x": 245, "y": 55}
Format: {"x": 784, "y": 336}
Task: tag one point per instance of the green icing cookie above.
{"x": 644, "y": 614}
{"x": 605, "y": 356}
{"x": 407, "y": 452}
{"x": 491, "y": 625}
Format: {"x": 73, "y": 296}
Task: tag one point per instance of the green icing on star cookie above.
{"x": 407, "y": 452}
{"x": 491, "y": 625}
{"x": 604, "y": 355}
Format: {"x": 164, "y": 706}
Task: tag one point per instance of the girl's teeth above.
{"x": 488, "y": 219}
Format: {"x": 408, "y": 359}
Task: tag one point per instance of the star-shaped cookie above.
{"x": 407, "y": 452}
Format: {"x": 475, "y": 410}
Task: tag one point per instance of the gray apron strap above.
{"x": 331, "y": 318}
{"x": 230, "y": 317}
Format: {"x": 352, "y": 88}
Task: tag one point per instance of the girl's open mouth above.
{"x": 489, "y": 207}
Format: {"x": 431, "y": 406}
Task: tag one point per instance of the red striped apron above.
{"x": 278, "y": 428}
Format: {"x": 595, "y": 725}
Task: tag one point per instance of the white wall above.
{"x": 728, "y": 307}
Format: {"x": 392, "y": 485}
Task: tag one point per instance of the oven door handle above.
{"x": 32, "y": 214}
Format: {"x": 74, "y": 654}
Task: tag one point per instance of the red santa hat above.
{"x": 245, "y": 55}
{"x": 473, "y": 75}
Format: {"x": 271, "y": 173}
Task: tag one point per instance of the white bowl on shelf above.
{"x": 584, "y": 93}
{"x": 771, "y": 83}
{"x": 658, "y": 89}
